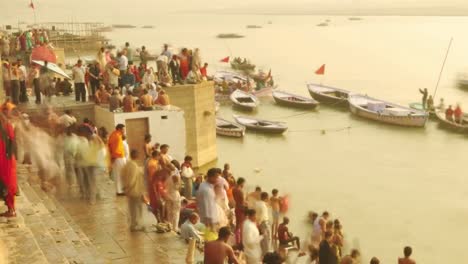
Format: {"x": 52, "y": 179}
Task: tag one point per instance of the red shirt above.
{"x": 283, "y": 232}
{"x": 203, "y": 71}
{"x": 458, "y": 112}
{"x": 449, "y": 112}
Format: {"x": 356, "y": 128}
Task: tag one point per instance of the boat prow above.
{"x": 228, "y": 128}
{"x": 243, "y": 100}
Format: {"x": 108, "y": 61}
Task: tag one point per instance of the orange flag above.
{"x": 225, "y": 59}
{"x": 321, "y": 70}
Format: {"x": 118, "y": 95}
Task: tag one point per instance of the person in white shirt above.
{"x": 172, "y": 198}
{"x": 23, "y": 97}
{"x": 188, "y": 229}
{"x": 123, "y": 61}
{"x": 206, "y": 199}
{"x": 263, "y": 218}
{"x": 78, "y": 73}
{"x": 67, "y": 119}
{"x": 251, "y": 238}
{"x": 126, "y": 148}
{"x": 187, "y": 176}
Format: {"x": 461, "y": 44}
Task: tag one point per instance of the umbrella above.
{"x": 43, "y": 53}
{"x": 53, "y": 67}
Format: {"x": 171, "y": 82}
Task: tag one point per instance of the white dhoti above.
{"x": 116, "y": 169}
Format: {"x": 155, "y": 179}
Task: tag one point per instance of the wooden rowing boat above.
{"x": 244, "y": 100}
{"x": 449, "y": 124}
{"x": 386, "y": 112}
{"x": 228, "y": 128}
{"x": 288, "y": 99}
{"x": 329, "y": 95}
{"x": 419, "y": 106}
{"x": 260, "y": 125}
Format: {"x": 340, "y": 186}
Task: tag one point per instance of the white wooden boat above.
{"x": 329, "y": 95}
{"x": 450, "y": 124}
{"x": 228, "y": 128}
{"x": 289, "y": 99}
{"x": 244, "y": 100}
{"x": 386, "y": 112}
{"x": 261, "y": 125}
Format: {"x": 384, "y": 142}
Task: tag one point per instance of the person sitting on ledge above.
{"x": 114, "y": 101}
{"x": 101, "y": 96}
{"x": 407, "y": 251}
{"x": 146, "y": 101}
{"x": 285, "y": 237}
{"x": 128, "y": 103}
{"x": 163, "y": 98}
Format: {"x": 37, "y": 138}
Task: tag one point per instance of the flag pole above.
{"x": 442, "y": 69}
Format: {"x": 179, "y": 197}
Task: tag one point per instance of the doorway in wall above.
{"x": 136, "y": 130}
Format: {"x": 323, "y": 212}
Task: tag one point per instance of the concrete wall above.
{"x": 170, "y": 130}
{"x": 197, "y": 101}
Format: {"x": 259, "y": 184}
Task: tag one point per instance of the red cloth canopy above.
{"x": 42, "y": 53}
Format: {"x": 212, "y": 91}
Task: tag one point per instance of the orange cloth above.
{"x": 115, "y": 144}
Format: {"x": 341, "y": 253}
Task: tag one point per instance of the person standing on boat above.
{"x": 449, "y": 113}
{"x": 430, "y": 103}
{"x": 458, "y": 113}
{"x": 424, "y": 98}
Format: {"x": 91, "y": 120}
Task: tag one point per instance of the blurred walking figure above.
{"x": 133, "y": 185}
{"x": 117, "y": 152}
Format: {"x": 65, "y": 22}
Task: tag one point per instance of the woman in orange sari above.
{"x": 184, "y": 63}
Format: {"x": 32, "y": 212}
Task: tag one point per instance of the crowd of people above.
{"x": 212, "y": 212}
{"x": 451, "y": 114}
{"x": 111, "y": 79}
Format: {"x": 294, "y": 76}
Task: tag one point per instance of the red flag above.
{"x": 225, "y": 59}
{"x": 321, "y": 70}
{"x": 31, "y": 5}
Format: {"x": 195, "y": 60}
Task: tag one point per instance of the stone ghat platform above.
{"x": 62, "y": 228}
{"x": 59, "y": 105}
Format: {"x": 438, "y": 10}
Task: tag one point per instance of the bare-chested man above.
{"x": 146, "y": 100}
{"x": 128, "y": 103}
{"x": 407, "y": 251}
{"x": 218, "y": 250}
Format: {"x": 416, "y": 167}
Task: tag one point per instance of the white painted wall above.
{"x": 169, "y": 131}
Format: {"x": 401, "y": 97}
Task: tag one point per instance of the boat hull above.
{"x": 230, "y": 132}
{"x": 266, "y": 130}
{"x": 408, "y": 121}
{"x": 450, "y": 125}
{"x": 306, "y": 105}
{"x": 329, "y": 100}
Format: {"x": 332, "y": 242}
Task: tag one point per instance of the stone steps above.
{"x": 51, "y": 234}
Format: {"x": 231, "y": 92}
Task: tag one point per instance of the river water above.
{"x": 389, "y": 186}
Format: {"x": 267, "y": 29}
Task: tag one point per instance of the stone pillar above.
{"x": 197, "y": 101}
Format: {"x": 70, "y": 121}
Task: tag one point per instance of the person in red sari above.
{"x": 8, "y": 163}
{"x": 155, "y": 185}
{"x": 184, "y": 63}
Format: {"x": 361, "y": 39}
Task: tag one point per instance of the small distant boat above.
{"x": 243, "y": 66}
{"x": 123, "y": 26}
{"x": 228, "y": 128}
{"x": 147, "y": 26}
{"x": 323, "y": 24}
{"x": 386, "y": 112}
{"x": 354, "y": 18}
{"x": 288, "y": 99}
{"x": 229, "y": 35}
{"x": 253, "y": 26}
{"x": 244, "y": 100}
{"x": 261, "y": 125}
{"x": 460, "y": 128}
{"x": 329, "y": 95}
